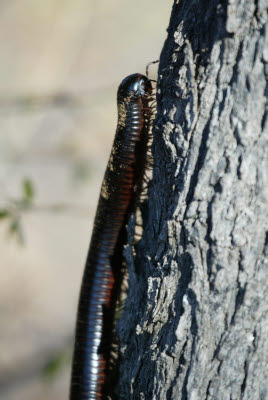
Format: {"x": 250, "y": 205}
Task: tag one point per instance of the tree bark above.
{"x": 195, "y": 323}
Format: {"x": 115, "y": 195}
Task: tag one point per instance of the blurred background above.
{"x": 62, "y": 62}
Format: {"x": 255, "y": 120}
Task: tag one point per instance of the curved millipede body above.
{"x": 93, "y": 373}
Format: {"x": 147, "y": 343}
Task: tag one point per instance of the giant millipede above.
{"x": 93, "y": 370}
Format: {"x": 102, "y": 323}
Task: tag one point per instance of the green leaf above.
{"x": 28, "y": 190}
{"x": 56, "y": 364}
{"x": 4, "y": 214}
{"x": 15, "y": 229}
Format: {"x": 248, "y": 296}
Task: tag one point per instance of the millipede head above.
{"x": 137, "y": 85}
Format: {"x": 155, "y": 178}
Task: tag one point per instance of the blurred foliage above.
{"x": 55, "y": 365}
{"x": 28, "y": 191}
{"x": 81, "y": 171}
{"x": 14, "y": 209}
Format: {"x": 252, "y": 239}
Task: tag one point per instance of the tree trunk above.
{"x": 195, "y": 323}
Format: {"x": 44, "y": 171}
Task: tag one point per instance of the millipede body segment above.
{"x": 93, "y": 373}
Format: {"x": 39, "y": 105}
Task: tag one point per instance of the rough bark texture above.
{"x": 195, "y": 324}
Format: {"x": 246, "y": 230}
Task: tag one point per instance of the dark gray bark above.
{"x": 195, "y": 324}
